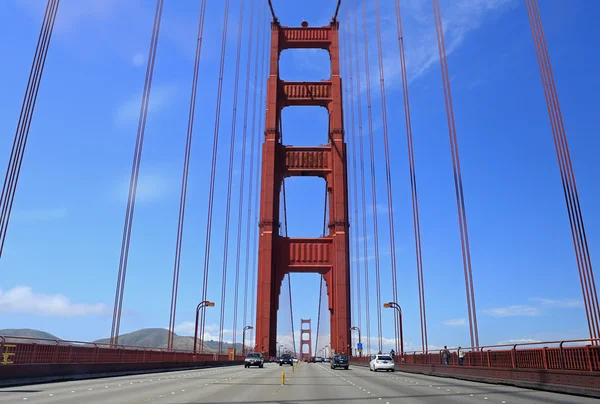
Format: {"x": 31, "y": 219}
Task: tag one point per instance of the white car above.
{"x": 382, "y": 362}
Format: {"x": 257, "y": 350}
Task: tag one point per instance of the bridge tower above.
{"x": 305, "y": 341}
{"x": 327, "y": 255}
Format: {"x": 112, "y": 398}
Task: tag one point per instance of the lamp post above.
{"x": 359, "y": 341}
{"x": 202, "y": 304}
{"x": 248, "y": 327}
{"x": 396, "y": 306}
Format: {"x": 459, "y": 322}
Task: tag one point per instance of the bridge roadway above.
{"x": 310, "y": 383}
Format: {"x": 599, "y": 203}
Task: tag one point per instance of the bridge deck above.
{"x": 310, "y": 383}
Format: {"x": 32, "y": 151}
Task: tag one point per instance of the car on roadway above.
{"x": 339, "y": 361}
{"x": 254, "y": 359}
{"x": 319, "y": 359}
{"x": 382, "y": 362}
{"x": 286, "y": 359}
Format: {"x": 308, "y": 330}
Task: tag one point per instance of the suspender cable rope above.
{"x": 230, "y": 173}
{"x": 184, "y": 180}
{"x": 362, "y": 180}
{"x": 580, "y": 244}
{"x": 15, "y": 161}
{"x": 388, "y": 173}
{"x": 211, "y": 193}
{"x": 258, "y": 154}
{"x": 373, "y": 176}
{"x": 252, "y": 138}
{"x": 352, "y": 234}
{"x": 242, "y": 175}
{"x": 135, "y": 172}
{"x": 413, "y": 182}
{"x": 460, "y": 202}
{"x": 355, "y": 140}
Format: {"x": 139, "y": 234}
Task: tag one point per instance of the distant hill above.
{"x": 148, "y": 337}
{"x": 27, "y": 332}
{"x": 157, "y": 338}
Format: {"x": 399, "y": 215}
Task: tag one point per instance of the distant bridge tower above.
{"x": 305, "y": 341}
{"x": 327, "y": 255}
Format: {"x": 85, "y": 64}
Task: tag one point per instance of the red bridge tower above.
{"x": 305, "y": 341}
{"x": 328, "y": 255}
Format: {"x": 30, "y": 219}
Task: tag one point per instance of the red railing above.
{"x": 551, "y": 355}
{"x": 13, "y": 351}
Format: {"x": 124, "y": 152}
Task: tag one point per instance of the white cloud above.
{"x": 40, "y": 215}
{"x": 514, "y": 311}
{"x": 161, "y": 97}
{"x": 558, "y": 303}
{"x": 150, "y": 187}
{"x": 21, "y": 299}
{"x": 518, "y": 341}
{"x": 460, "y": 18}
{"x": 138, "y": 59}
{"x": 457, "y": 322}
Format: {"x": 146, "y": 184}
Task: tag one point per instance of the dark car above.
{"x": 286, "y": 359}
{"x": 339, "y": 361}
{"x": 254, "y": 359}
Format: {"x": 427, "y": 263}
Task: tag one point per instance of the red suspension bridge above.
{"x": 347, "y": 278}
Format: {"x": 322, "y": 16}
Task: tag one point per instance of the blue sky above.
{"x": 61, "y": 256}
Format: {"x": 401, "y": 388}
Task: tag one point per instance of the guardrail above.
{"x": 570, "y": 366}
{"x": 556, "y": 355}
{"x": 16, "y": 350}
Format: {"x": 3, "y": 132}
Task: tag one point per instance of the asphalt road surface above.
{"x": 310, "y": 383}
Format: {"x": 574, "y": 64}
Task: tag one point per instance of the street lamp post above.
{"x": 359, "y": 340}
{"x": 202, "y": 304}
{"x": 248, "y": 327}
{"x": 396, "y": 306}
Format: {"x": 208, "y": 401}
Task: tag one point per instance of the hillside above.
{"x": 157, "y": 338}
{"x": 27, "y": 332}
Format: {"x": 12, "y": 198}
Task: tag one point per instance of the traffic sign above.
{"x": 359, "y": 346}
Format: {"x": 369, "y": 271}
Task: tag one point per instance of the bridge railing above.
{"x": 33, "y": 350}
{"x": 552, "y": 355}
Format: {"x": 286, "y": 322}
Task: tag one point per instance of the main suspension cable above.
{"x": 388, "y": 172}
{"x": 373, "y": 176}
{"x": 362, "y": 179}
{"x": 413, "y": 181}
{"x": 262, "y": 122}
{"x": 230, "y": 173}
{"x": 135, "y": 172}
{"x": 211, "y": 193}
{"x": 15, "y": 161}
{"x": 184, "y": 180}
{"x": 580, "y": 244}
{"x": 457, "y": 178}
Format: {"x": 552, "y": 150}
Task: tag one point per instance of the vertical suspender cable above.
{"x": 578, "y": 234}
{"x": 352, "y": 234}
{"x": 242, "y": 177}
{"x": 13, "y": 170}
{"x": 230, "y": 173}
{"x": 262, "y": 121}
{"x": 388, "y": 173}
{"x": 355, "y": 141}
{"x": 253, "y": 157}
{"x": 373, "y": 180}
{"x": 413, "y": 182}
{"x": 457, "y": 178}
{"x": 362, "y": 180}
{"x": 135, "y": 172}
{"x": 211, "y": 193}
{"x": 184, "y": 180}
